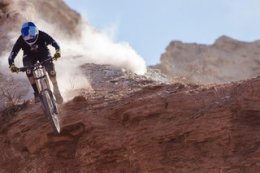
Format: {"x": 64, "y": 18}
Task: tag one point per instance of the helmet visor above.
{"x": 29, "y": 34}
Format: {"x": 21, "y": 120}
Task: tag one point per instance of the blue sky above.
{"x": 149, "y": 25}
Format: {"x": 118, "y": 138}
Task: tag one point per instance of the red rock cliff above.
{"x": 224, "y": 61}
{"x": 151, "y": 128}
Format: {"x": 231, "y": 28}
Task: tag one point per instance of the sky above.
{"x": 150, "y": 25}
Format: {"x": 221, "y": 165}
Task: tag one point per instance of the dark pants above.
{"x": 30, "y": 61}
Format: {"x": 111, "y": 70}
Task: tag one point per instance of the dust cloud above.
{"x": 89, "y": 46}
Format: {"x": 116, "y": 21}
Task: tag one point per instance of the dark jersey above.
{"x": 38, "y": 49}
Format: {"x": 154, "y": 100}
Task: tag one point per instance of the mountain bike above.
{"x": 48, "y": 102}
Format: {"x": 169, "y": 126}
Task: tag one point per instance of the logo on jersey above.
{"x": 35, "y": 47}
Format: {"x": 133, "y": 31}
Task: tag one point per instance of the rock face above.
{"x": 7, "y": 20}
{"x": 151, "y": 128}
{"x": 110, "y": 78}
{"x": 224, "y": 61}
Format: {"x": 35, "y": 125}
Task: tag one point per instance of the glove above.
{"x": 14, "y": 69}
{"x": 56, "y": 55}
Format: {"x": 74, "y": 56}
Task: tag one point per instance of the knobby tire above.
{"x": 50, "y": 109}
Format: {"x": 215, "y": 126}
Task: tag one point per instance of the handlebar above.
{"x": 23, "y": 69}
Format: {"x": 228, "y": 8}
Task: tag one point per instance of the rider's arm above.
{"x": 50, "y": 40}
{"x": 15, "y": 50}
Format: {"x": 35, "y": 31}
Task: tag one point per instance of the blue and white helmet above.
{"x": 29, "y": 33}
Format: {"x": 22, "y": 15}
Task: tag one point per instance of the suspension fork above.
{"x": 41, "y": 79}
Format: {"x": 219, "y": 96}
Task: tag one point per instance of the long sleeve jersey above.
{"x": 38, "y": 49}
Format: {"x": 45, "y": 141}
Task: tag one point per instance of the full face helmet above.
{"x": 29, "y": 33}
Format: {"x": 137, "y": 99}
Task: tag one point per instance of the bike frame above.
{"x": 41, "y": 78}
{"x": 39, "y": 75}
{"x": 46, "y": 96}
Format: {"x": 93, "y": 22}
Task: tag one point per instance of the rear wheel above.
{"x": 50, "y": 109}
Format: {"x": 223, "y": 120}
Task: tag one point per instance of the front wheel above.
{"x": 50, "y": 109}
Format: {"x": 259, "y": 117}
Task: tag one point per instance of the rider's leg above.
{"x": 27, "y": 61}
{"x": 56, "y": 90}
{"x": 32, "y": 82}
{"x": 52, "y": 74}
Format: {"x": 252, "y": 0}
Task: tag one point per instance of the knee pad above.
{"x": 29, "y": 73}
{"x": 52, "y": 73}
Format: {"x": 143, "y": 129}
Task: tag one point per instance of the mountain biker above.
{"x": 34, "y": 44}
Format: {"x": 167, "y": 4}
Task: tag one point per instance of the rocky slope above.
{"x": 141, "y": 126}
{"x": 225, "y": 60}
